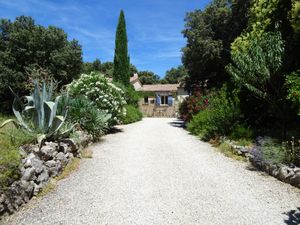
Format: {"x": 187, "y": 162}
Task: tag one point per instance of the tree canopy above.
{"x": 25, "y": 45}
{"x": 175, "y": 75}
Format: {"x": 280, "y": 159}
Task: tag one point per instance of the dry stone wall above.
{"x": 38, "y": 166}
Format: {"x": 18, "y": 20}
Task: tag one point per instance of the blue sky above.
{"x": 153, "y": 26}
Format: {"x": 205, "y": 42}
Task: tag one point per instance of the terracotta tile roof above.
{"x": 160, "y": 87}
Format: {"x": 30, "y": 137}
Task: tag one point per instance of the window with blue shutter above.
{"x": 158, "y": 100}
{"x": 170, "y": 100}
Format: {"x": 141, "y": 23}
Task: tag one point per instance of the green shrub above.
{"x": 105, "y": 95}
{"x": 241, "y": 132}
{"x": 133, "y": 114}
{"x": 132, "y": 97}
{"x": 10, "y": 140}
{"x": 221, "y": 116}
{"x": 90, "y": 119}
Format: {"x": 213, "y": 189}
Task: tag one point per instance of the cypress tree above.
{"x": 121, "y": 60}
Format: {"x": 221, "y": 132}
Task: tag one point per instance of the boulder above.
{"x": 295, "y": 180}
{"x": 284, "y": 173}
{"x": 28, "y": 174}
{"x": 47, "y": 151}
{"x": 43, "y": 177}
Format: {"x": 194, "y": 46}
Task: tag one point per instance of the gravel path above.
{"x": 154, "y": 173}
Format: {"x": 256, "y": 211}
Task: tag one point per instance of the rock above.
{"x": 47, "y": 151}
{"x": 37, "y": 165}
{"x": 2, "y": 208}
{"x": 63, "y": 147}
{"x": 43, "y": 177}
{"x": 37, "y": 189}
{"x": 50, "y": 163}
{"x": 71, "y": 143}
{"x": 61, "y": 157}
{"x": 295, "y": 180}
{"x": 27, "y": 160}
{"x": 284, "y": 173}
{"x": 28, "y": 174}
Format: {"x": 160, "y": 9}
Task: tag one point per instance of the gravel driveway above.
{"x": 154, "y": 173}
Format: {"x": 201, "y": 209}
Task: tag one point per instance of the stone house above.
{"x": 160, "y": 100}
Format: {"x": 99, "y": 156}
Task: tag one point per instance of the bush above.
{"x": 105, "y": 95}
{"x": 132, "y": 115}
{"x": 132, "y": 97}
{"x": 241, "y": 132}
{"x": 219, "y": 119}
{"x": 11, "y": 139}
{"x": 192, "y": 105}
{"x": 90, "y": 119}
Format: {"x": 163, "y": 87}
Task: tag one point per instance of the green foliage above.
{"x": 148, "y": 77}
{"x": 89, "y": 118}
{"x": 221, "y": 116}
{"x": 293, "y": 85}
{"x": 11, "y": 138}
{"x": 25, "y": 45}
{"x": 193, "y": 105}
{"x": 90, "y": 67}
{"x": 39, "y": 115}
{"x": 295, "y": 16}
{"x": 209, "y": 34}
{"x": 121, "y": 71}
{"x": 227, "y": 150}
{"x": 132, "y": 97}
{"x": 132, "y": 115}
{"x": 176, "y": 75}
{"x": 241, "y": 132}
{"x": 105, "y": 95}
{"x": 256, "y": 66}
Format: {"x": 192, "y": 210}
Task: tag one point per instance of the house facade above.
{"x": 159, "y": 100}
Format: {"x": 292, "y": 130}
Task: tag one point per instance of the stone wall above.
{"x": 284, "y": 173}
{"x": 37, "y": 167}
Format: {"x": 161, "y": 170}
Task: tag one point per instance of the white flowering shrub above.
{"x": 105, "y": 95}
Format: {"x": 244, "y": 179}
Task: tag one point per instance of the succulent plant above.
{"x": 39, "y": 114}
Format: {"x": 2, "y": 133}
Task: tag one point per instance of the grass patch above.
{"x": 87, "y": 153}
{"x": 11, "y": 138}
{"x": 244, "y": 142}
{"x": 48, "y": 188}
{"x": 226, "y": 149}
{"x": 70, "y": 168}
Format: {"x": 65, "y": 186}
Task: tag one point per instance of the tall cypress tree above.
{"x": 121, "y": 59}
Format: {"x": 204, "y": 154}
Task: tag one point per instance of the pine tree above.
{"x": 121, "y": 60}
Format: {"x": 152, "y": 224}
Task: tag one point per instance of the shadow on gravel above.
{"x": 178, "y": 123}
{"x": 114, "y": 130}
{"x": 294, "y": 217}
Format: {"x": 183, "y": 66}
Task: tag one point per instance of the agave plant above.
{"x": 39, "y": 114}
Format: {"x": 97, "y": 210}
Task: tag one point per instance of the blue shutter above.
{"x": 158, "y": 100}
{"x": 170, "y": 100}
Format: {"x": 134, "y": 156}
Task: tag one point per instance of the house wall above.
{"x": 137, "y": 85}
{"x": 153, "y": 110}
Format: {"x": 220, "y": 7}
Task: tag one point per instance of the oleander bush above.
{"x": 193, "y": 105}
{"x": 132, "y": 115}
{"x": 106, "y": 96}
